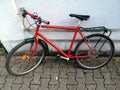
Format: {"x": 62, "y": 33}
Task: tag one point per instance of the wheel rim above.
{"x": 103, "y": 55}
{"x": 20, "y": 62}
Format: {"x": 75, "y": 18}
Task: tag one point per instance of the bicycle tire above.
{"x": 17, "y": 66}
{"x": 104, "y": 52}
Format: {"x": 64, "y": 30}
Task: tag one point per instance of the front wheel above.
{"x": 103, "y": 47}
{"x": 18, "y": 60}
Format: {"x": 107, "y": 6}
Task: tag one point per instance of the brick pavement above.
{"x": 63, "y": 75}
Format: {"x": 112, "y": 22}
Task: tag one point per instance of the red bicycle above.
{"x": 91, "y": 52}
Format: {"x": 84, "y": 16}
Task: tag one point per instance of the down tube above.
{"x": 52, "y": 44}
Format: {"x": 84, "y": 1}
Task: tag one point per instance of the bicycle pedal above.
{"x": 57, "y": 58}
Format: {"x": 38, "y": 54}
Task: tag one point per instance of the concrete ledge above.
{"x": 62, "y": 39}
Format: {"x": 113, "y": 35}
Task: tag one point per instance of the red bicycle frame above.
{"x": 68, "y": 55}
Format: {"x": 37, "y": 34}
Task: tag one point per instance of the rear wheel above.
{"x": 101, "y": 44}
{"x": 18, "y": 60}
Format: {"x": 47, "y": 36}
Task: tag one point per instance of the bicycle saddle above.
{"x": 81, "y": 17}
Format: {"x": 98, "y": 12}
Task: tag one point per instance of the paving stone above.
{"x": 89, "y": 78}
{"x": 118, "y": 86}
{"x": 1, "y": 68}
{"x": 104, "y": 70}
{"x": 8, "y": 84}
{"x": 63, "y": 64}
{"x": 63, "y": 73}
{"x": 71, "y": 78}
{"x": 110, "y": 87}
{"x": 1, "y": 86}
{"x": 36, "y": 78}
{"x": 97, "y": 74}
{"x": 53, "y": 87}
{"x": 39, "y": 69}
{"x": 63, "y": 83}
{"x": 4, "y": 73}
{"x": 54, "y": 78}
{"x": 71, "y": 69}
{"x": 24, "y": 88}
{"x": 81, "y": 84}
{"x": 79, "y": 74}
{"x": 115, "y": 75}
{"x": 100, "y": 84}
{"x": 29, "y": 75}
{"x": 16, "y": 86}
{"x": 46, "y": 73}
{"x": 48, "y": 63}
{"x": 107, "y": 78}
{"x": 2, "y": 80}
{"x": 118, "y": 71}
{"x": 113, "y": 70}
{"x": 91, "y": 87}
{"x": 72, "y": 87}
{"x": 116, "y": 81}
{"x": 44, "y": 84}
{"x": 110, "y": 65}
{"x": 88, "y": 71}
{"x": 2, "y": 61}
{"x": 18, "y": 80}
{"x": 34, "y": 87}
{"x": 55, "y": 67}
{"x": 26, "y": 84}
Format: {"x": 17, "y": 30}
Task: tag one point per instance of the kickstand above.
{"x": 57, "y": 58}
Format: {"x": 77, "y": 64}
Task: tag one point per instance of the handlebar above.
{"x": 23, "y": 12}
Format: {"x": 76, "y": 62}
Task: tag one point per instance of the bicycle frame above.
{"x": 68, "y": 55}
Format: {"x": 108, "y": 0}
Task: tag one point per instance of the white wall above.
{"x": 10, "y": 28}
{"x": 102, "y": 12}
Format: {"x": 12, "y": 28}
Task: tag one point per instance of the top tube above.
{"x": 60, "y": 27}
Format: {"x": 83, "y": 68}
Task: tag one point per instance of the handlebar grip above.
{"x": 45, "y": 21}
{"x": 23, "y": 12}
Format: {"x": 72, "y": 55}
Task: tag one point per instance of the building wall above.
{"x": 102, "y": 12}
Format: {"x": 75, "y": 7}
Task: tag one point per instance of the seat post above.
{"x": 78, "y": 24}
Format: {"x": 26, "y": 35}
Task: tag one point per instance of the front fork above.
{"x": 34, "y": 47}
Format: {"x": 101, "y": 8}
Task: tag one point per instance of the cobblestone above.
{"x": 72, "y": 87}
{"x": 36, "y": 78}
{"x": 54, "y": 78}
{"x": 79, "y": 74}
{"x": 107, "y": 78}
{"x": 97, "y": 74}
{"x": 44, "y": 84}
{"x": 100, "y": 84}
{"x": 63, "y": 83}
{"x": 34, "y": 87}
{"x": 53, "y": 87}
{"x": 16, "y": 86}
{"x": 18, "y": 80}
{"x": 91, "y": 87}
{"x": 81, "y": 84}
{"x": 62, "y": 75}
{"x": 110, "y": 87}
{"x": 89, "y": 79}
{"x": 71, "y": 79}
{"x": 26, "y": 84}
